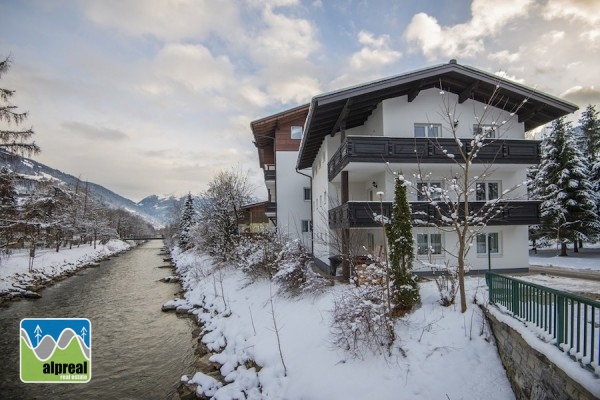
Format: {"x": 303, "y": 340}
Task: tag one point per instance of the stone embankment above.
{"x": 531, "y": 374}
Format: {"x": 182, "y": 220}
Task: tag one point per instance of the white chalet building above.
{"x": 277, "y": 138}
{"x": 417, "y": 124}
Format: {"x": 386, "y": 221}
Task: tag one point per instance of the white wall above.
{"x": 320, "y": 187}
{"x": 291, "y": 206}
{"x": 514, "y": 249}
{"x": 399, "y": 116}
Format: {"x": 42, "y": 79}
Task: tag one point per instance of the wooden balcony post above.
{"x": 345, "y": 231}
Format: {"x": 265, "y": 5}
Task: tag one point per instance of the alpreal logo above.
{"x": 56, "y": 350}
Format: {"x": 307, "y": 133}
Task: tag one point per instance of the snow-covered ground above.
{"x": 439, "y": 352}
{"x": 14, "y": 270}
{"x": 572, "y": 285}
{"x": 587, "y": 258}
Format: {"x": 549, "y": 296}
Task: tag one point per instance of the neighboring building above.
{"x": 277, "y": 139}
{"x": 355, "y": 138}
{"x": 253, "y": 218}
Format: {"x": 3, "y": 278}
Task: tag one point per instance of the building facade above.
{"x": 425, "y": 125}
{"x": 277, "y": 139}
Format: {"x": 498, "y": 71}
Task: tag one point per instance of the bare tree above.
{"x": 220, "y": 210}
{"x": 451, "y": 200}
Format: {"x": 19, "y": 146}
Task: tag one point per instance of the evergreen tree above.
{"x": 13, "y": 140}
{"x": 405, "y": 291}
{"x": 8, "y": 207}
{"x": 590, "y": 126}
{"x": 186, "y": 222}
{"x": 534, "y": 190}
{"x": 568, "y": 204}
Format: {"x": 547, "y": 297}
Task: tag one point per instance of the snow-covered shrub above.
{"x": 295, "y": 273}
{"x": 361, "y": 321}
{"x": 446, "y": 280}
{"x": 258, "y": 254}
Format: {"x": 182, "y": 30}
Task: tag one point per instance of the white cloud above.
{"x": 284, "y": 39}
{"x": 513, "y": 78}
{"x": 367, "y": 63}
{"x": 164, "y": 19}
{"x": 587, "y": 11}
{"x": 375, "y": 53}
{"x": 464, "y": 40}
{"x": 194, "y": 67}
{"x": 592, "y": 37}
{"x": 504, "y": 56}
{"x": 296, "y": 90}
{"x": 553, "y": 37}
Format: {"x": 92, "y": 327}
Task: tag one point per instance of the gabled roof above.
{"x": 351, "y": 107}
{"x": 264, "y": 129}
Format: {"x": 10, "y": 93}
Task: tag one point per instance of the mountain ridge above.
{"x": 154, "y": 208}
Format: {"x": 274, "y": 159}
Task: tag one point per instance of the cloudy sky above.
{"x": 155, "y": 96}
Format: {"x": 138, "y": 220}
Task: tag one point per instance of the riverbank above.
{"x": 257, "y": 343}
{"x": 49, "y": 267}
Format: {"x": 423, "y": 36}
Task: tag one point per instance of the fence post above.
{"x": 560, "y": 314}
{"x": 515, "y": 297}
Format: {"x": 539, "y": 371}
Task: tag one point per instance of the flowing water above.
{"x": 138, "y": 351}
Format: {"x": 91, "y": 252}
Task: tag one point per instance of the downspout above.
{"x": 312, "y": 232}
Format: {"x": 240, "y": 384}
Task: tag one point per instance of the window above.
{"x": 296, "y": 132}
{"x": 429, "y": 190}
{"x": 429, "y": 243}
{"x": 428, "y": 130}
{"x": 493, "y": 239}
{"x": 370, "y": 242}
{"x": 306, "y": 226}
{"x": 487, "y": 191}
{"x": 489, "y": 131}
{"x": 306, "y": 194}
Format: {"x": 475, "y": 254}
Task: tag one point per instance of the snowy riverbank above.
{"x": 439, "y": 352}
{"x": 49, "y": 266}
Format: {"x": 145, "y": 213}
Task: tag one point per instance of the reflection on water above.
{"x": 138, "y": 352}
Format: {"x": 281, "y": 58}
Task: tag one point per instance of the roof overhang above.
{"x": 264, "y": 129}
{"x": 351, "y": 107}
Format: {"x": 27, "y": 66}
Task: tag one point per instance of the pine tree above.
{"x": 568, "y": 204}
{"x": 11, "y": 140}
{"x": 8, "y": 206}
{"x": 590, "y": 126}
{"x": 405, "y": 291}
{"x": 186, "y": 222}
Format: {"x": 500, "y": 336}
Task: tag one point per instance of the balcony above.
{"x": 359, "y": 214}
{"x": 271, "y": 209}
{"x": 270, "y": 172}
{"x": 429, "y": 150}
{"x": 270, "y": 175}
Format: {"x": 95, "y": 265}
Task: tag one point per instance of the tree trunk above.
{"x": 575, "y": 248}
{"x": 461, "y": 276}
{"x": 563, "y": 249}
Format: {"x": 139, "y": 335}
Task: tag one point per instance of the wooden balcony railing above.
{"x": 270, "y": 175}
{"x": 360, "y": 214}
{"x": 271, "y": 208}
{"x": 429, "y": 150}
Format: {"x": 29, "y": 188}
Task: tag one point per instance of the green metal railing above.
{"x": 569, "y": 321}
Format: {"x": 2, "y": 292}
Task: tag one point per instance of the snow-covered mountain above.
{"x": 154, "y": 209}
{"x": 161, "y": 207}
